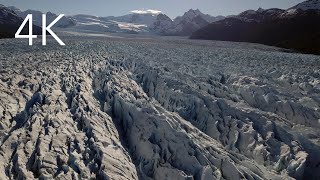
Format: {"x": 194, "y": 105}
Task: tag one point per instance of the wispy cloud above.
{"x": 148, "y": 11}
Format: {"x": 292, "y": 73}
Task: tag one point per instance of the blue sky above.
{"x": 172, "y": 8}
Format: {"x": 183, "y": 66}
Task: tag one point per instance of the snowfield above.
{"x": 157, "y": 108}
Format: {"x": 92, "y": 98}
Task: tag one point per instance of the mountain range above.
{"x": 64, "y": 22}
{"x": 296, "y": 28}
{"x": 146, "y": 22}
{"x": 150, "y": 22}
{"x": 183, "y": 25}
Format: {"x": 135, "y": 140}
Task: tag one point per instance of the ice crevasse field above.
{"x": 132, "y": 107}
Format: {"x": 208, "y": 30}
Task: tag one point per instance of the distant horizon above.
{"x": 104, "y": 8}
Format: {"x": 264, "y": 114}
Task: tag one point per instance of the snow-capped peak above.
{"x": 260, "y": 10}
{"x": 15, "y": 9}
{"x": 307, "y": 5}
{"x": 148, "y": 11}
{"x": 192, "y": 13}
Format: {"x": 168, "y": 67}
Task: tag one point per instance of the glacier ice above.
{"x": 157, "y": 108}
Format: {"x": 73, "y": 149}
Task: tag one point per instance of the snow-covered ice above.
{"x": 157, "y": 108}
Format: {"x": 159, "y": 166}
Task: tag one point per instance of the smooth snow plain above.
{"x": 157, "y": 108}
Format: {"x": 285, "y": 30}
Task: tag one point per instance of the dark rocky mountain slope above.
{"x": 295, "y": 29}
{"x": 10, "y": 23}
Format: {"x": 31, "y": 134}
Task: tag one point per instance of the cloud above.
{"x": 149, "y": 11}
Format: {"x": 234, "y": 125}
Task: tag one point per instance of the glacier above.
{"x": 130, "y": 107}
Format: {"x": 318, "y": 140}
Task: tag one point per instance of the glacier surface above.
{"x": 157, "y": 108}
